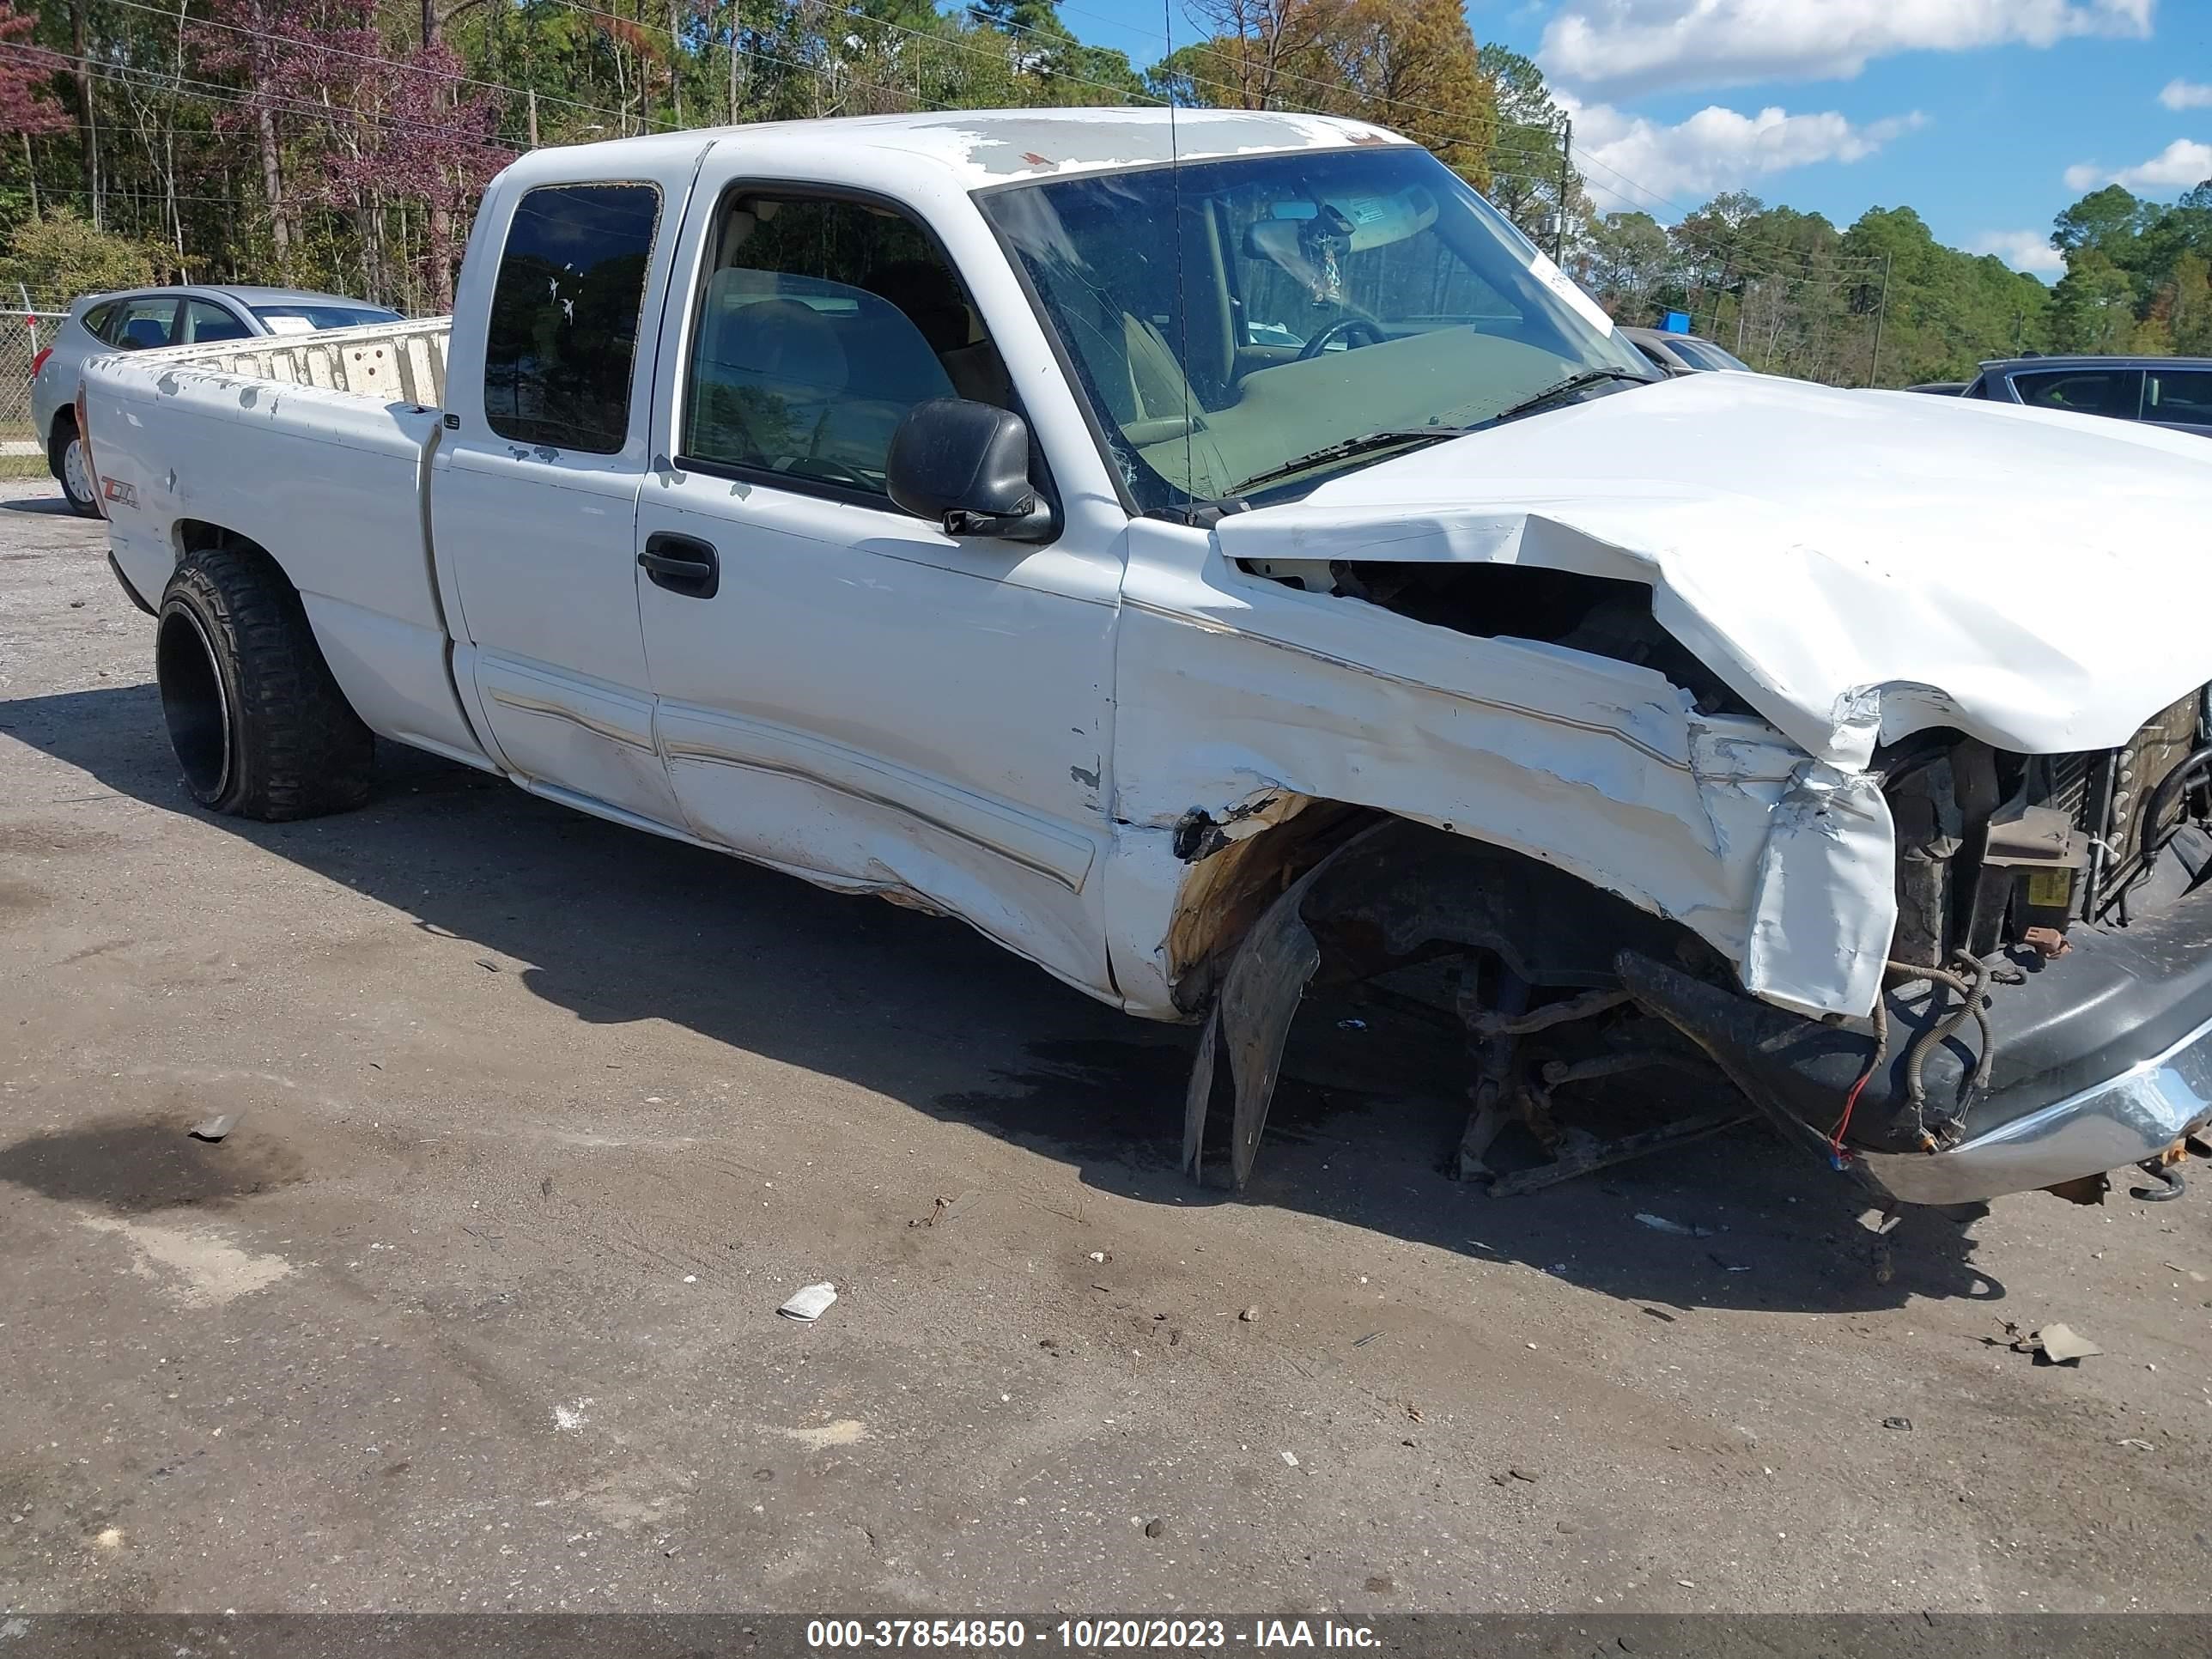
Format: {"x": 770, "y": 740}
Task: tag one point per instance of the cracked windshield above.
{"x": 1359, "y": 303}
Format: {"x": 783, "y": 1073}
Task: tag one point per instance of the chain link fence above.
{"x": 27, "y": 326}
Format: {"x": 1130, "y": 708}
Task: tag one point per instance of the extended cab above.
{"x": 1212, "y": 553}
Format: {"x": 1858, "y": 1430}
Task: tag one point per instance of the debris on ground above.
{"x": 808, "y": 1302}
{"x": 2054, "y": 1345}
{"x": 214, "y": 1128}
{"x": 1904, "y": 1423}
{"x": 1725, "y": 1265}
{"x": 1155, "y": 1527}
{"x": 1361, "y": 1342}
{"x": 1291, "y": 1458}
{"x": 1250, "y": 1314}
{"x": 2061, "y": 1346}
{"x": 1659, "y": 1224}
{"x": 1102, "y": 1256}
{"x": 1351, "y": 1026}
{"x": 2140, "y": 1445}
{"x": 2189, "y": 1274}
{"x": 488, "y": 965}
{"x": 939, "y": 1209}
{"x": 1522, "y": 1474}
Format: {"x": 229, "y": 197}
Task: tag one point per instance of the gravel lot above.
{"x": 541, "y": 1119}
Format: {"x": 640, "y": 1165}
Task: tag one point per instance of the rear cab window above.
{"x": 561, "y": 344}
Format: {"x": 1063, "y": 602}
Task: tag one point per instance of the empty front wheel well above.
{"x": 1409, "y": 890}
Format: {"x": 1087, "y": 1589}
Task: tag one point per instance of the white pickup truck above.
{"x": 1213, "y": 554}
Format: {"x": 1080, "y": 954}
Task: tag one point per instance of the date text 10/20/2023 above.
{"x": 1083, "y": 1635}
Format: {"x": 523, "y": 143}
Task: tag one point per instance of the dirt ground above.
{"x": 539, "y": 1120}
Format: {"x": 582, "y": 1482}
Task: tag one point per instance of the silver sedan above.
{"x": 138, "y": 320}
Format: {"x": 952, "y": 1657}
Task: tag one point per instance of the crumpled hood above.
{"x": 1857, "y": 565}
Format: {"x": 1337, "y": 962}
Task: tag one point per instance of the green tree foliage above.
{"x": 363, "y": 177}
{"x": 60, "y": 252}
{"x": 2135, "y": 274}
{"x": 1530, "y": 167}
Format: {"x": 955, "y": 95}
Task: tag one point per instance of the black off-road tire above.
{"x": 259, "y": 726}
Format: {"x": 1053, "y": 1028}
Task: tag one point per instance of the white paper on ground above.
{"x": 808, "y": 1301}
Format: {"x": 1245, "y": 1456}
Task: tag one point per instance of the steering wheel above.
{"x": 1341, "y": 331}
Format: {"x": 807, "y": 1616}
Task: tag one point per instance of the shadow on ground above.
{"x": 616, "y": 926}
{"x": 45, "y": 507}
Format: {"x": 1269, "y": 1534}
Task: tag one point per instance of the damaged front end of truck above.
{"x": 2043, "y": 999}
{"x": 1948, "y": 929}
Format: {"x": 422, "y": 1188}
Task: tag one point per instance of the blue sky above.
{"x": 1987, "y": 116}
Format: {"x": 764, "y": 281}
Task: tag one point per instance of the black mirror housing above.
{"x": 966, "y": 466}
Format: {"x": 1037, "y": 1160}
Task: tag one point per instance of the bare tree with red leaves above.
{"x": 419, "y": 134}
{"x": 28, "y": 104}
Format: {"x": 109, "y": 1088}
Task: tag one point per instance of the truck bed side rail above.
{"x": 391, "y": 362}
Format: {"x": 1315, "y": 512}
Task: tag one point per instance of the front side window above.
{"x": 2111, "y": 391}
{"x": 206, "y": 323}
{"x": 2183, "y": 396}
{"x": 561, "y": 340}
{"x": 819, "y": 324}
{"x": 1228, "y": 318}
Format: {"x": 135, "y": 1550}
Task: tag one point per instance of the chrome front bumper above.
{"x": 2124, "y": 1120}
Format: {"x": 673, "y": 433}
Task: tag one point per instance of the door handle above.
{"x": 682, "y": 564}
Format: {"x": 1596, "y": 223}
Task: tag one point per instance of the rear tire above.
{"x": 257, "y": 723}
{"x": 65, "y": 458}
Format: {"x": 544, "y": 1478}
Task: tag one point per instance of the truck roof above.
{"x": 983, "y": 148}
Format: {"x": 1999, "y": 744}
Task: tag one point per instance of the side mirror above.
{"x": 966, "y": 466}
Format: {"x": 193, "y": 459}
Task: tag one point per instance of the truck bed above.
{"x": 390, "y": 362}
{"x": 315, "y": 448}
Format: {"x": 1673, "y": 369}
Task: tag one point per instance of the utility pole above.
{"x": 1881, "y": 312}
{"x": 1566, "y": 176}
{"x": 533, "y": 117}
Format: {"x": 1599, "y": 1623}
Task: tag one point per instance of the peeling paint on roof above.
{"x": 981, "y": 147}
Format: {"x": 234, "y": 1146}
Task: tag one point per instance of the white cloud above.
{"x": 1627, "y": 46}
{"x": 2187, "y": 94}
{"x": 2182, "y": 163}
{"x": 1715, "y": 149}
{"x": 2023, "y": 250}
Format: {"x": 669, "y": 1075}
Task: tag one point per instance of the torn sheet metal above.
{"x": 1251, "y": 1022}
{"x": 1857, "y": 565}
{"x": 1601, "y": 769}
{"x": 1826, "y": 872}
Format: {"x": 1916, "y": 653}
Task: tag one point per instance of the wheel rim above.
{"x": 76, "y": 477}
{"x": 195, "y": 704}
